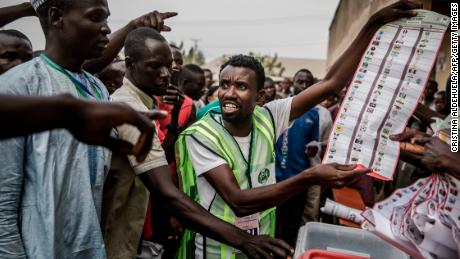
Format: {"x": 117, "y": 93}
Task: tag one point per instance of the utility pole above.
{"x": 195, "y": 49}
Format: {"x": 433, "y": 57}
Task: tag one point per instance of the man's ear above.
{"x": 56, "y": 17}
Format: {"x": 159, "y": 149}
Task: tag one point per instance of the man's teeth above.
{"x": 229, "y": 105}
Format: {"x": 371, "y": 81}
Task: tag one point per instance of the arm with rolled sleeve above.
{"x": 154, "y": 159}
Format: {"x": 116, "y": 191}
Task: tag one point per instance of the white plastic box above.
{"x": 346, "y": 240}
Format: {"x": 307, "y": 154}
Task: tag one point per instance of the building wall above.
{"x": 351, "y": 15}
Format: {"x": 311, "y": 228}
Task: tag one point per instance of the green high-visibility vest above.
{"x": 210, "y": 133}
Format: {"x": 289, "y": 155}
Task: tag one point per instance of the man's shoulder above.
{"x": 25, "y": 76}
{"x": 279, "y": 103}
{"x": 129, "y": 97}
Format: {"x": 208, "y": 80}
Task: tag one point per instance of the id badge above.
{"x": 263, "y": 175}
{"x": 250, "y": 224}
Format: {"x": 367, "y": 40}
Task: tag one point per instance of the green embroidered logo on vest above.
{"x": 264, "y": 174}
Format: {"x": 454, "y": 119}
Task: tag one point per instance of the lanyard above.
{"x": 250, "y": 157}
{"x": 81, "y": 88}
{"x": 251, "y": 151}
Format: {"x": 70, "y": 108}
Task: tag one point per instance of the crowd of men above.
{"x": 143, "y": 156}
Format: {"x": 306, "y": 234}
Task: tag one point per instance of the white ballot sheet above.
{"x": 422, "y": 219}
{"x": 384, "y": 93}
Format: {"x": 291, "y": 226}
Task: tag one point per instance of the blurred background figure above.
{"x": 192, "y": 83}
{"x": 212, "y": 94}
{"x": 208, "y": 78}
{"x": 285, "y": 87}
{"x": 439, "y": 102}
{"x": 112, "y": 75}
{"x": 270, "y": 90}
{"x": 428, "y": 95}
{"x": 15, "y": 49}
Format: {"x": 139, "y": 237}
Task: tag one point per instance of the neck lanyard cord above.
{"x": 251, "y": 145}
{"x": 81, "y": 88}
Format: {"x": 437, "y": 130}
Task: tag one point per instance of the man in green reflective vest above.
{"x": 226, "y": 160}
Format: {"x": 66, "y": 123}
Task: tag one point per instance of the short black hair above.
{"x": 16, "y": 34}
{"x": 136, "y": 40}
{"x": 207, "y": 69}
{"x": 247, "y": 62}
{"x": 42, "y": 11}
{"x": 269, "y": 79}
{"x": 303, "y": 70}
{"x": 193, "y": 68}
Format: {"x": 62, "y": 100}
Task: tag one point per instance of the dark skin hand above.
{"x": 439, "y": 158}
{"x": 342, "y": 71}
{"x": 12, "y": 13}
{"x": 91, "y": 122}
{"x": 173, "y": 97}
{"x": 409, "y": 135}
{"x": 253, "y": 200}
{"x": 412, "y": 136}
{"x": 158, "y": 181}
{"x": 426, "y": 115}
{"x": 153, "y": 20}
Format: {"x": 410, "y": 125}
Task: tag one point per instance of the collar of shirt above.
{"x": 146, "y": 100}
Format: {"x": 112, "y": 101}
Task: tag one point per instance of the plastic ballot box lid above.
{"x": 323, "y": 254}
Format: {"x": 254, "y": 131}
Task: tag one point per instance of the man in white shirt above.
{"x": 225, "y": 161}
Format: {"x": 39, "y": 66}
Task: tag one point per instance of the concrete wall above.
{"x": 351, "y": 15}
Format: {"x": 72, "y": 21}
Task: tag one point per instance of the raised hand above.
{"x": 174, "y": 96}
{"x": 400, "y": 9}
{"x": 154, "y": 20}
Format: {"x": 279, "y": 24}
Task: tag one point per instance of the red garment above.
{"x": 161, "y": 134}
{"x": 184, "y": 116}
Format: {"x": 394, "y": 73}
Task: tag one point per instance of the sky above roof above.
{"x": 294, "y": 28}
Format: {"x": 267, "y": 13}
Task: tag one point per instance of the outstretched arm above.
{"x": 90, "y": 122}
{"x": 154, "y": 20}
{"x": 249, "y": 201}
{"x": 12, "y": 13}
{"x": 343, "y": 69}
{"x": 159, "y": 182}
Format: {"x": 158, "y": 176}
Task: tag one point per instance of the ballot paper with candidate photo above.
{"x": 384, "y": 92}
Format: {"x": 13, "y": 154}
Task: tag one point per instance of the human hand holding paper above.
{"x": 336, "y": 175}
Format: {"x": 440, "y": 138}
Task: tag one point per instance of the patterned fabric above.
{"x": 37, "y": 3}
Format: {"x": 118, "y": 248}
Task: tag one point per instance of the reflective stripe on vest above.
{"x": 211, "y": 134}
